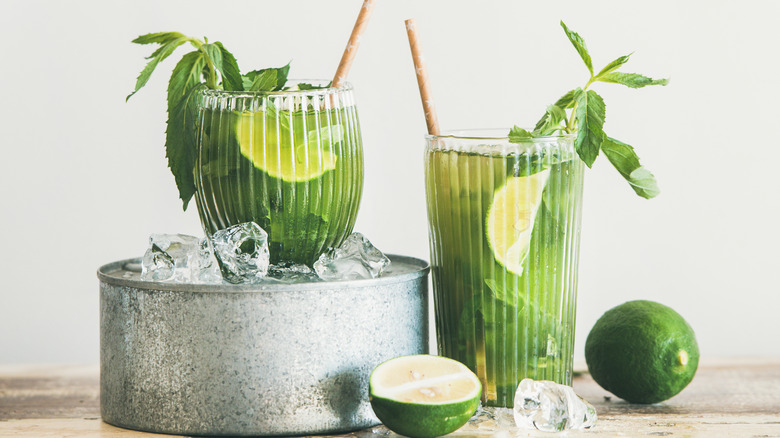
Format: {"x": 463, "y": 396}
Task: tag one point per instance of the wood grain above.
{"x": 49, "y": 392}
{"x": 734, "y": 397}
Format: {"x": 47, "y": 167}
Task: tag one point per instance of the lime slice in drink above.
{"x": 291, "y": 157}
{"x": 510, "y": 219}
{"x": 424, "y": 396}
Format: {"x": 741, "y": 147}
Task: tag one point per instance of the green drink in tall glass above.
{"x": 290, "y": 161}
{"x": 504, "y": 235}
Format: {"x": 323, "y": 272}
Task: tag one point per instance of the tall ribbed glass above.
{"x": 504, "y": 235}
{"x": 291, "y": 161}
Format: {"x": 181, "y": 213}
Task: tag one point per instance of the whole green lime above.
{"x": 642, "y": 351}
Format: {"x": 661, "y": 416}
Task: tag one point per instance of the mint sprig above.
{"x": 582, "y": 112}
{"x": 210, "y": 66}
{"x": 267, "y": 79}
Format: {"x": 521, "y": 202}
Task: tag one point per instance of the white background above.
{"x": 84, "y": 178}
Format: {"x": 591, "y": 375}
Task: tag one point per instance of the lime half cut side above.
{"x": 290, "y": 156}
{"x": 424, "y": 396}
{"x": 510, "y": 219}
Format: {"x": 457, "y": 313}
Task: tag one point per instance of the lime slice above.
{"x": 510, "y": 219}
{"x": 292, "y": 158}
{"x": 424, "y": 396}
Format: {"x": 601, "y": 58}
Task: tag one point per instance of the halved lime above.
{"x": 424, "y": 396}
{"x": 287, "y": 153}
{"x": 510, "y": 219}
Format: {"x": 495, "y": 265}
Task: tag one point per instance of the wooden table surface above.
{"x": 734, "y": 397}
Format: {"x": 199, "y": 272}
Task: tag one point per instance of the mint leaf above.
{"x": 501, "y": 292}
{"x": 567, "y": 100}
{"x": 160, "y": 54}
{"x": 614, "y": 65}
{"x": 158, "y": 37}
{"x": 231, "y": 75}
{"x": 180, "y": 145}
{"x": 551, "y": 121}
{"x": 305, "y": 86}
{"x": 225, "y": 63}
{"x": 267, "y": 79}
{"x": 546, "y": 123}
{"x": 643, "y": 182}
{"x": 625, "y": 160}
{"x": 579, "y": 44}
{"x": 213, "y": 52}
{"x": 518, "y": 135}
{"x": 163, "y": 47}
{"x": 281, "y": 75}
{"x": 185, "y": 75}
{"x": 633, "y": 80}
{"x": 589, "y": 113}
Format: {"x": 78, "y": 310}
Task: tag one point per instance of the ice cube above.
{"x": 490, "y": 420}
{"x": 354, "y": 259}
{"x": 291, "y": 273}
{"x": 157, "y": 264}
{"x": 551, "y": 407}
{"x": 169, "y": 257}
{"x": 242, "y": 252}
{"x": 203, "y": 264}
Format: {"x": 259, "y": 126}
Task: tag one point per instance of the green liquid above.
{"x": 503, "y": 326}
{"x": 244, "y": 172}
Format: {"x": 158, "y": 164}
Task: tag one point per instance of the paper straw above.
{"x": 422, "y": 78}
{"x": 352, "y": 45}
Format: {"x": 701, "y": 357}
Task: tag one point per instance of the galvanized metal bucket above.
{"x": 275, "y": 359}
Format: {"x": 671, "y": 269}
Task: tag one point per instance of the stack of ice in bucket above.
{"x": 241, "y": 253}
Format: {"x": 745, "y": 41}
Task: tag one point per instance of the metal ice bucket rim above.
{"x": 103, "y": 275}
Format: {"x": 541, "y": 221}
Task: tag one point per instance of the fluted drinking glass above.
{"x": 504, "y": 237}
{"x": 291, "y": 161}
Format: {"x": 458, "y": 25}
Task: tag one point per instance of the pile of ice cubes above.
{"x": 239, "y": 254}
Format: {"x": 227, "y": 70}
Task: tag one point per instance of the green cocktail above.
{"x": 504, "y": 232}
{"x": 291, "y": 161}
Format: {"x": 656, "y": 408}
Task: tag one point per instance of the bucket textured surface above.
{"x": 243, "y": 360}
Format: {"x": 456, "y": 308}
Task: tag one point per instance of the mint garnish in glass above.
{"x": 581, "y": 112}
{"x": 210, "y": 66}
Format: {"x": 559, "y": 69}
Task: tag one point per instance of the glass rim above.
{"x": 315, "y": 92}
{"x": 488, "y": 134}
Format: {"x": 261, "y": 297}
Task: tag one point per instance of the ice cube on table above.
{"x": 242, "y": 252}
{"x": 489, "y": 420}
{"x": 354, "y": 259}
{"x": 174, "y": 257}
{"x": 551, "y": 407}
